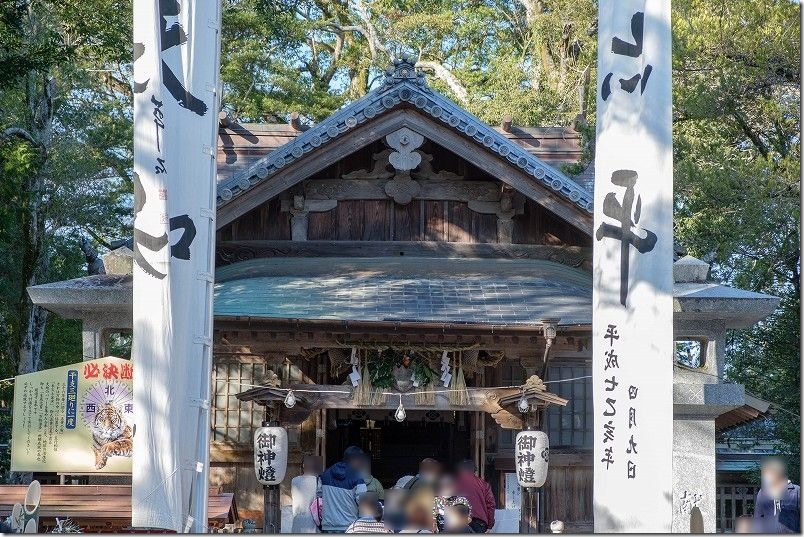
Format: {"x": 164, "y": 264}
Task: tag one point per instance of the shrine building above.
{"x": 403, "y": 224}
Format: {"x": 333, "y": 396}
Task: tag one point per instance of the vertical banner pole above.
{"x": 176, "y": 75}
{"x": 200, "y": 495}
{"x": 632, "y": 277}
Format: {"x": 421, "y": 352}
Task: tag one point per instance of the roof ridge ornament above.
{"x": 403, "y": 69}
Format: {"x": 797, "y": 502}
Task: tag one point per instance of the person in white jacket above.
{"x": 303, "y": 490}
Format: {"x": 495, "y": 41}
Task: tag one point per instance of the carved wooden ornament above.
{"x": 405, "y": 142}
{"x": 402, "y": 188}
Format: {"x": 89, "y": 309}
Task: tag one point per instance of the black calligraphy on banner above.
{"x": 155, "y": 243}
{"x": 627, "y": 214}
{"x": 266, "y": 454}
{"x": 631, "y": 450}
{"x": 170, "y": 37}
{"x": 634, "y": 50}
{"x": 611, "y": 338}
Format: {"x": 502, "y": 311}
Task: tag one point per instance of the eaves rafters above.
{"x": 404, "y": 86}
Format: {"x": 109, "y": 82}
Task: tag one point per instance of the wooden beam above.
{"x": 295, "y": 122}
{"x": 305, "y": 330}
{"x": 507, "y": 123}
{"x": 234, "y": 251}
{"x": 374, "y": 189}
{"x": 338, "y": 396}
{"x": 247, "y": 347}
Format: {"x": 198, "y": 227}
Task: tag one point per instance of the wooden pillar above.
{"x": 272, "y": 513}
{"x": 272, "y": 510}
{"x": 477, "y": 433}
{"x": 481, "y": 435}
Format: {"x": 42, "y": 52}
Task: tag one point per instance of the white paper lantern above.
{"x": 270, "y": 454}
{"x": 531, "y": 455}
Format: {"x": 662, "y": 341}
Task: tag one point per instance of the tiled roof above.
{"x": 241, "y": 145}
{"x": 490, "y": 292}
{"x": 404, "y": 85}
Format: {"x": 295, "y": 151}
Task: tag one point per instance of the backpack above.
{"x": 411, "y": 482}
{"x": 317, "y": 507}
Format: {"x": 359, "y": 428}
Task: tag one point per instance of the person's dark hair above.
{"x": 351, "y": 453}
{"x": 460, "y": 508}
{"x": 429, "y": 463}
{"x": 312, "y": 464}
{"x": 370, "y": 503}
{"x": 467, "y": 464}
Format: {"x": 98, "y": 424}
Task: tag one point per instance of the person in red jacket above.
{"x": 478, "y": 492}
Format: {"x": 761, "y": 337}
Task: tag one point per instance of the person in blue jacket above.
{"x": 341, "y": 488}
{"x": 778, "y": 504}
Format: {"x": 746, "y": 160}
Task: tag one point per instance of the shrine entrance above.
{"x": 397, "y": 448}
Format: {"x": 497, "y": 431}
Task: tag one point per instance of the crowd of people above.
{"x": 346, "y": 498}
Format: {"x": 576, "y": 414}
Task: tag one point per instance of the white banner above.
{"x": 176, "y": 57}
{"x": 632, "y": 300}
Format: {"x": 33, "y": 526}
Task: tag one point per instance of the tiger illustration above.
{"x": 111, "y": 435}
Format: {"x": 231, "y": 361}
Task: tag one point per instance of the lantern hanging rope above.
{"x": 386, "y": 393}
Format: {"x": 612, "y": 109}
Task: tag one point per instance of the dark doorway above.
{"x": 397, "y": 448}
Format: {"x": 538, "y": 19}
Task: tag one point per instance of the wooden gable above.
{"x": 457, "y": 202}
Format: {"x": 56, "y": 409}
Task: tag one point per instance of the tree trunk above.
{"x": 30, "y": 353}
{"x": 40, "y": 98}
{"x": 448, "y": 77}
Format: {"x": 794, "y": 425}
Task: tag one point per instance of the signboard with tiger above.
{"x": 74, "y": 419}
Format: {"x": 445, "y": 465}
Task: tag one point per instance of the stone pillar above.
{"x": 93, "y": 336}
{"x": 693, "y": 475}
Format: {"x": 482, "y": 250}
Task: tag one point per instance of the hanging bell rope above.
{"x": 362, "y": 393}
{"x": 458, "y": 394}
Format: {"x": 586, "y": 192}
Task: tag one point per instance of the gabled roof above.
{"x": 404, "y": 86}
{"x": 241, "y": 145}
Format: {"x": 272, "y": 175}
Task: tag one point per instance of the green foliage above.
{"x": 381, "y": 368}
{"x": 737, "y": 178}
{"x": 65, "y": 159}
{"x": 314, "y": 55}
{"x": 767, "y": 360}
{"x": 19, "y": 55}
